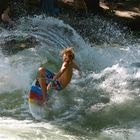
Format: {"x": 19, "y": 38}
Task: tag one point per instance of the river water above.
{"x": 104, "y": 104}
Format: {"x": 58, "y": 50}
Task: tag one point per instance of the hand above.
{"x": 49, "y": 86}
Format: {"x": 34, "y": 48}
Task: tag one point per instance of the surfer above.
{"x": 62, "y": 78}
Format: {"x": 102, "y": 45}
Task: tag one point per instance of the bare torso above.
{"x": 66, "y": 76}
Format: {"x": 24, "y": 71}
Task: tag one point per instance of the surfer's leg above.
{"x": 42, "y": 82}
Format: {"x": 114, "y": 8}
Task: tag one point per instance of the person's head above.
{"x": 68, "y": 54}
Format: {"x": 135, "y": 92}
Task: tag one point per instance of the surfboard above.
{"x": 35, "y": 100}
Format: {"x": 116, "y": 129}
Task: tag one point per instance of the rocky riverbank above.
{"x": 126, "y": 16}
{"x": 84, "y": 24}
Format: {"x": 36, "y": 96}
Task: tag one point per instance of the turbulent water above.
{"x": 103, "y": 104}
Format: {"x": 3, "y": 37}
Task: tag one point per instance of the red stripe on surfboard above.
{"x": 35, "y": 96}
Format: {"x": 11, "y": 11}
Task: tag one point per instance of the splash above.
{"x": 106, "y": 94}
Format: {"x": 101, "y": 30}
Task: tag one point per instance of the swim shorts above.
{"x": 49, "y": 77}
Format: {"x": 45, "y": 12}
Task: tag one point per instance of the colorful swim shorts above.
{"x": 49, "y": 76}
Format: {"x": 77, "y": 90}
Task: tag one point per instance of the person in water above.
{"x": 5, "y": 11}
{"x": 62, "y": 78}
{"x": 5, "y": 16}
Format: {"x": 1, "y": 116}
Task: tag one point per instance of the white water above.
{"x": 103, "y": 104}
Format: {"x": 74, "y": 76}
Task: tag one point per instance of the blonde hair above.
{"x": 68, "y": 50}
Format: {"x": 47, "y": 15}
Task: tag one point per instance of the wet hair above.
{"x": 68, "y": 50}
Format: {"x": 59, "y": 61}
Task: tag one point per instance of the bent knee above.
{"x": 41, "y": 71}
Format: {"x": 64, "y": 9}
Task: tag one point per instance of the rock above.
{"x": 13, "y": 44}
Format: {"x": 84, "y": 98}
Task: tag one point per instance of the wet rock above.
{"x": 13, "y": 44}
